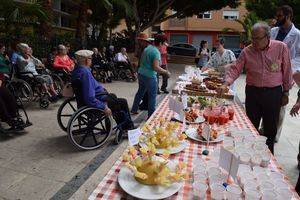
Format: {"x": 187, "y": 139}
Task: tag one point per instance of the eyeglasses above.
{"x": 258, "y": 38}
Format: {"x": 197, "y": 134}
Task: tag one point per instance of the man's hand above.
{"x": 168, "y": 74}
{"x": 107, "y": 111}
{"x": 294, "y": 111}
{"x": 284, "y": 100}
{"x": 222, "y": 90}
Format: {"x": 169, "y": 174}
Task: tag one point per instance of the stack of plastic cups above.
{"x": 200, "y": 189}
{"x": 285, "y": 194}
{"x": 268, "y": 195}
{"x": 233, "y": 192}
{"x": 217, "y": 191}
{"x": 252, "y": 194}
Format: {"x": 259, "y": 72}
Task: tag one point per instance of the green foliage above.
{"x": 266, "y": 9}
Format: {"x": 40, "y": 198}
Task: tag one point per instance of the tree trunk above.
{"x": 45, "y": 27}
{"x": 81, "y": 25}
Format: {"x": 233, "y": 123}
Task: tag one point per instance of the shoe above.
{"x": 134, "y": 113}
{"x": 53, "y": 99}
{"x": 165, "y": 91}
{"x": 158, "y": 92}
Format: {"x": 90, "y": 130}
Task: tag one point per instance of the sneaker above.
{"x": 158, "y": 92}
{"x": 53, "y": 99}
{"x": 165, "y": 91}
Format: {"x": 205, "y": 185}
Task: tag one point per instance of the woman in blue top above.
{"x": 147, "y": 73}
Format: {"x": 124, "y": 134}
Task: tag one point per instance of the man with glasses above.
{"x": 286, "y": 32}
{"x": 268, "y": 79}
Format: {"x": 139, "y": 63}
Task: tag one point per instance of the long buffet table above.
{"x": 109, "y": 188}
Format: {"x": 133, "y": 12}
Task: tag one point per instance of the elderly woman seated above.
{"x": 62, "y": 60}
{"x": 27, "y": 64}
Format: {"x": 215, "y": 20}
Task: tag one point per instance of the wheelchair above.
{"x": 88, "y": 128}
{"x": 124, "y": 72}
{"x": 100, "y": 73}
{"x": 22, "y": 116}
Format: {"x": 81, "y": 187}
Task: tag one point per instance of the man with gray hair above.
{"x": 268, "y": 79}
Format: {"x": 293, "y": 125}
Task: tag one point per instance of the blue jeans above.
{"x": 149, "y": 85}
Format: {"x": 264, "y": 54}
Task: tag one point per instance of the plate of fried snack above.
{"x": 191, "y": 117}
{"x": 196, "y": 133}
{"x": 146, "y": 176}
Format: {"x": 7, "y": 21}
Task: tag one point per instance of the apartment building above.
{"x": 207, "y": 26}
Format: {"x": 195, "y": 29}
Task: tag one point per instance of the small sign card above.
{"x": 184, "y": 99}
{"x": 229, "y": 162}
{"x": 206, "y": 132}
{"x": 134, "y": 136}
{"x": 175, "y": 105}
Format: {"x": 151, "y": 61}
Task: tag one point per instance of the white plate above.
{"x": 192, "y": 133}
{"x": 200, "y": 119}
{"x": 183, "y": 78}
{"x": 182, "y": 145}
{"x": 132, "y": 187}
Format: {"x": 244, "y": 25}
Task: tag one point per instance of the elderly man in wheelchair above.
{"x": 97, "y": 104}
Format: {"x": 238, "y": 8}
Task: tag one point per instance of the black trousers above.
{"x": 119, "y": 104}
{"x": 164, "y": 80}
{"x": 264, "y": 103}
{"x": 8, "y": 105}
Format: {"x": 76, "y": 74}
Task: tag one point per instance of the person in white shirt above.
{"x": 286, "y": 32}
{"x": 122, "y": 56}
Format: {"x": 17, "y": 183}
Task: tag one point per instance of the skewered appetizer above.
{"x": 149, "y": 169}
{"x": 191, "y": 115}
{"x": 163, "y": 137}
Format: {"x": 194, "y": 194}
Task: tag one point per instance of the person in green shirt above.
{"x": 147, "y": 75}
{"x": 4, "y": 61}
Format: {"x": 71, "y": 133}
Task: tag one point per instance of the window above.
{"x": 230, "y": 14}
{"x": 204, "y": 15}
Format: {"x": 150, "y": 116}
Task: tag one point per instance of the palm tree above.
{"x": 18, "y": 15}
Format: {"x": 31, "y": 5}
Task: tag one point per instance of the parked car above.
{"x": 236, "y": 51}
{"x": 182, "y": 49}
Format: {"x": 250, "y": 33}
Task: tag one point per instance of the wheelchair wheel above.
{"x": 58, "y": 83}
{"x": 119, "y": 136}
{"x": 89, "y": 128}
{"x": 44, "y": 102}
{"x": 65, "y": 112}
{"x": 22, "y": 89}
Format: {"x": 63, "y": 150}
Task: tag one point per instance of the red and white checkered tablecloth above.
{"x": 108, "y": 188}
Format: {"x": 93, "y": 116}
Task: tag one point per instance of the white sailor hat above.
{"x": 83, "y": 53}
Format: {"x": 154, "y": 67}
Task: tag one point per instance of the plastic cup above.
{"x": 268, "y": 195}
{"x": 217, "y": 191}
{"x": 266, "y": 157}
{"x": 281, "y": 184}
{"x": 262, "y": 177}
{"x": 245, "y": 158}
{"x": 199, "y": 190}
{"x": 234, "y": 192}
{"x": 261, "y": 138}
{"x": 252, "y": 194}
{"x": 276, "y": 176}
{"x": 285, "y": 194}
{"x": 266, "y": 185}
{"x": 259, "y": 170}
{"x": 256, "y": 160}
{"x": 243, "y": 168}
{"x": 250, "y": 184}
{"x": 214, "y": 171}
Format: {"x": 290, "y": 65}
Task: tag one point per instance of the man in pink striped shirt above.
{"x": 268, "y": 78}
